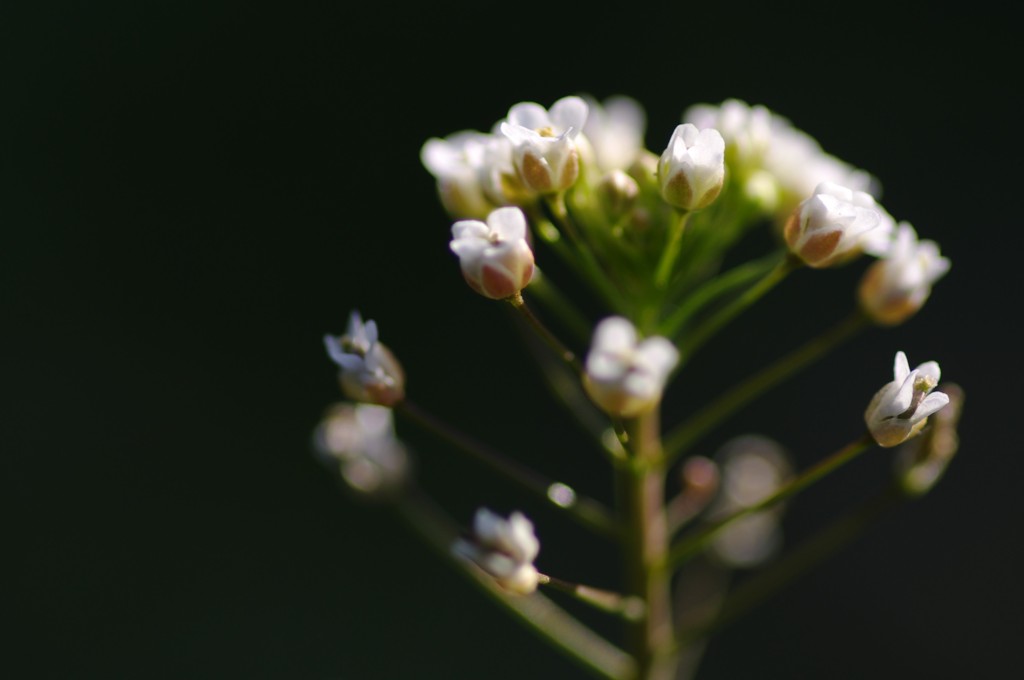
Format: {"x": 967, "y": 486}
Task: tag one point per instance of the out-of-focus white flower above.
{"x": 692, "y": 168}
{"x": 752, "y": 469}
{"x": 899, "y": 410}
{"x": 369, "y": 371}
{"x": 625, "y": 377}
{"x": 921, "y": 462}
{"x": 897, "y": 286}
{"x": 830, "y": 224}
{"x": 615, "y": 131}
{"x": 618, "y": 193}
{"x": 757, "y": 139}
{"x": 543, "y": 142}
{"x": 504, "y": 548}
{"x": 495, "y": 258}
{"x": 746, "y": 130}
{"x": 360, "y": 440}
{"x": 458, "y": 164}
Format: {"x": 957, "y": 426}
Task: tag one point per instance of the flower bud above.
{"x": 543, "y": 143}
{"x": 504, "y": 548}
{"x": 692, "y": 168}
{"x": 830, "y": 224}
{"x": 899, "y": 410}
{"x": 895, "y": 287}
{"x": 495, "y": 258}
{"x": 458, "y": 164}
{"x": 369, "y": 371}
{"x": 617, "y": 193}
{"x": 625, "y": 377}
{"x": 921, "y": 462}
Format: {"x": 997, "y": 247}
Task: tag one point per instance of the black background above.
{"x": 192, "y": 196}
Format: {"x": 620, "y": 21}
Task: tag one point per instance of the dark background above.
{"x": 193, "y": 196}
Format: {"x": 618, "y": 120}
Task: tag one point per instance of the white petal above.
{"x": 900, "y": 368}
{"x": 508, "y": 223}
{"x": 615, "y": 334}
{"x": 929, "y": 369}
{"x": 659, "y": 354}
{"x": 370, "y": 332}
{"x": 932, "y": 403}
{"x": 569, "y": 113}
{"x": 529, "y": 115}
{"x": 470, "y": 230}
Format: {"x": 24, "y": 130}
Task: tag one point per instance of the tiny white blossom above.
{"x": 615, "y": 131}
{"x": 369, "y": 371}
{"x": 899, "y": 410}
{"x": 504, "y": 548}
{"x": 623, "y": 376}
{"x": 692, "y": 168}
{"x": 543, "y": 143}
{"x": 360, "y": 440}
{"x": 896, "y": 286}
{"x": 458, "y": 164}
{"x": 746, "y": 130}
{"x": 830, "y": 223}
{"x": 495, "y": 258}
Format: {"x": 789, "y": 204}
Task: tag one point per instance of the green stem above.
{"x": 706, "y": 330}
{"x": 627, "y": 606}
{"x": 544, "y": 290}
{"x": 642, "y": 498}
{"x": 596, "y": 274}
{"x": 671, "y": 250}
{"x": 689, "y": 432}
{"x": 567, "y": 355}
{"x": 586, "y": 510}
{"x": 809, "y": 554}
{"x": 546, "y": 618}
{"x": 693, "y": 544}
{"x": 737, "y": 276}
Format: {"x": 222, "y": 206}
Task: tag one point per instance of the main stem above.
{"x": 642, "y": 497}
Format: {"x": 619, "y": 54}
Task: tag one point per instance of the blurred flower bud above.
{"x": 495, "y": 258}
{"x": 830, "y": 224}
{"x": 920, "y": 462}
{"x": 625, "y": 377}
{"x": 360, "y": 440}
{"x": 504, "y": 548}
{"x": 895, "y": 287}
{"x": 369, "y": 371}
{"x": 900, "y": 409}
{"x": 458, "y": 164}
{"x": 543, "y": 146}
{"x": 692, "y": 167}
{"x": 617, "y": 193}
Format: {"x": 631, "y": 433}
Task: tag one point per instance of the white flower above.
{"x": 900, "y": 409}
{"x": 829, "y": 224}
{"x": 897, "y": 286}
{"x": 458, "y": 163}
{"x": 369, "y": 371}
{"x": 692, "y": 167}
{"x": 615, "y": 132}
{"x": 746, "y": 130}
{"x": 361, "y": 440}
{"x": 543, "y": 146}
{"x": 752, "y": 469}
{"x": 504, "y": 548}
{"x": 495, "y": 257}
{"x": 625, "y": 377}
{"x": 759, "y": 140}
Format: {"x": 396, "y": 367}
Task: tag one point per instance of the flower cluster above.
{"x": 650, "y": 236}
